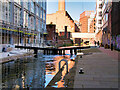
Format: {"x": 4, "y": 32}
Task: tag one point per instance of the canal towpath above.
{"x": 100, "y": 70}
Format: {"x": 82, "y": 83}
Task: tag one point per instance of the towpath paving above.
{"x": 100, "y": 71}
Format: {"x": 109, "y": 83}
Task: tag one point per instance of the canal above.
{"x": 30, "y": 72}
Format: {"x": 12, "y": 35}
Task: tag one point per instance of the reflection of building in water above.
{"x": 50, "y": 66}
{"x": 24, "y": 74}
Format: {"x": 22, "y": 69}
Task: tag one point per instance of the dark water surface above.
{"x": 30, "y": 72}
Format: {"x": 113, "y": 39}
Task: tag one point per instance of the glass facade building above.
{"x": 22, "y": 22}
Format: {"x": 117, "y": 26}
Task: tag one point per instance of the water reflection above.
{"x": 34, "y": 73}
{"x": 24, "y": 73}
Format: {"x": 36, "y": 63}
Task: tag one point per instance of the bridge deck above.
{"x": 61, "y": 48}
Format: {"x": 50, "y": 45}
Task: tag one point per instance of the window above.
{"x": 37, "y": 11}
{"x": 25, "y": 4}
{"x": 0, "y": 10}
{"x": 99, "y": 27}
{"x": 41, "y": 12}
{"x": 100, "y": 6}
{"x": 25, "y": 19}
{"x": 32, "y": 6}
{"x": 37, "y": 23}
{"x": 100, "y": 22}
{"x": 32, "y": 22}
{"x": 100, "y": 13}
{"x": 17, "y": 1}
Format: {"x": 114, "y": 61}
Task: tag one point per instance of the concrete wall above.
{"x": 83, "y": 35}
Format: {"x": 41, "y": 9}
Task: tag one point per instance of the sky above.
{"x": 74, "y": 8}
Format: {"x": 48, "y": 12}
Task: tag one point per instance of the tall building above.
{"x": 91, "y": 23}
{"x": 107, "y": 23}
{"x": 106, "y": 32}
{"x": 84, "y": 21}
{"x": 62, "y": 20}
{"x": 22, "y": 22}
{"x": 92, "y": 26}
{"x": 98, "y": 30}
{"x": 115, "y": 24}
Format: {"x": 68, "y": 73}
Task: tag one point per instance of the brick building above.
{"x": 84, "y": 21}
{"x": 62, "y": 19}
{"x": 115, "y": 24}
{"x": 53, "y": 38}
{"x": 52, "y": 35}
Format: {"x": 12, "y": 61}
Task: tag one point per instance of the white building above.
{"x": 98, "y": 16}
{"x": 92, "y": 16}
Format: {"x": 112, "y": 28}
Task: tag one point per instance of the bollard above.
{"x": 71, "y": 53}
{"x": 80, "y": 56}
{"x": 81, "y": 71}
{"x": 75, "y": 51}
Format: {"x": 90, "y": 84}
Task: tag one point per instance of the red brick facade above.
{"x": 84, "y": 21}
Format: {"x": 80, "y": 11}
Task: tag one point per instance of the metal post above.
{"x": 71, "y": 53}
{"x": 63, "y": 52}
{"x": 75, "y": 51}
{"x": 44, "y": 52}
{"x": 66, "y": 64}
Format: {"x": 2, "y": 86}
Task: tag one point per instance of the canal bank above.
{"x": 100, "y": 71}
{"x": 32, "y": 72}
{"x": 66, "y": 81}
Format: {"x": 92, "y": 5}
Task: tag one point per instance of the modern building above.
{"x": 98, "y": 30}
{"x": 92, "y": 26}
{"x": 107, "y": 23}
{"x": 84, "y": 21}
{"x": 22, "y": 22}
{"x": 106, "y": 32}
{"x": 87, "y": 28}
{"x": 91, "y": 23}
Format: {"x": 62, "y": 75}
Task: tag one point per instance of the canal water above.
{"x": 30, "y": 72}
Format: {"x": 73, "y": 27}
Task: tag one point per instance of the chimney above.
{"x": 61, "y": 5}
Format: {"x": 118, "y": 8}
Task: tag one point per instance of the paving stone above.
{"x": 100, "y": 71}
